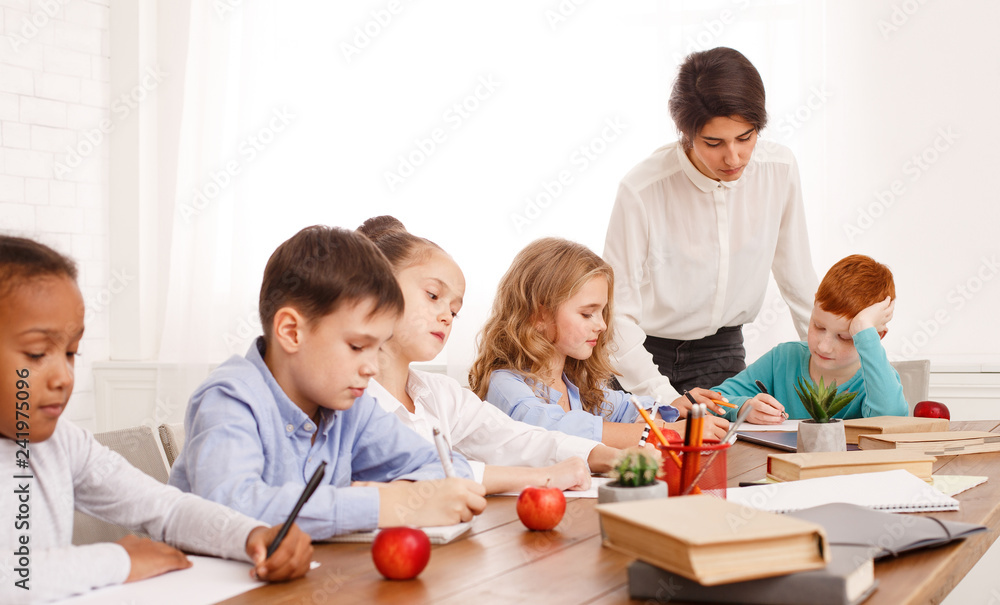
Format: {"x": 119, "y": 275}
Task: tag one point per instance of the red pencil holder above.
{"x": 683, "y": 464}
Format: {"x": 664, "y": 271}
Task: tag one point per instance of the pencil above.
{"x": 655, "y": 429}
{"x": 444, "y": 452}
{"x": 723, "y": 403}
{"x": 692, "y": 458}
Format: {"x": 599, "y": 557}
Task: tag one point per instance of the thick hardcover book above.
{"x": 710, "y": 540}
{"x": 879, "y": 425}
{"x": 792, "y": 467}
{"x": 848, "y": 579}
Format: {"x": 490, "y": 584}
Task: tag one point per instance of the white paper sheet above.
{"x": 595, "y": 482}
{"x": 210, "y": 580}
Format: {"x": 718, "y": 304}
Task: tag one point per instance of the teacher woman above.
{"x": 695, "y": 230}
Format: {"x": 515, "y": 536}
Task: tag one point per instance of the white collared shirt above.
{"x": 692, "y": 255}
{"x": 475, "y": 429}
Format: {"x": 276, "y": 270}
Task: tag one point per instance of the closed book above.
{"x": 881, "y": 425}
{"x": 792, "y": 467}
{"x": 946, "y": 443}
{"x": 710, "y": 540}
{"x": 848, "y": 579}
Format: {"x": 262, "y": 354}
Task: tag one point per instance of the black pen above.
{"x": 763, "y": 389}
{"x": 308, "y": 491}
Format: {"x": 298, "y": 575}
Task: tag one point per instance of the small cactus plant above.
{"x": 636, "y": 467}
{"x": 822, "y": 401}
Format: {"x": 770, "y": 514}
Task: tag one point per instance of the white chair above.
{"x": 916, "y": 378}
{"x": 172, "y": 437}
{"x": 140, "y": 446}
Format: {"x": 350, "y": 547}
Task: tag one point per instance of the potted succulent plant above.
{"x": 634, "y": 478}
{"x": 823, "y": 432}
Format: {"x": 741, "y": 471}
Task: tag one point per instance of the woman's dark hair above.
{"x": 321, "y": 268}
{"x": 720, "y": 82}
{"x": 22, "y": 259}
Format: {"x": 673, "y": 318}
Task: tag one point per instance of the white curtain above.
{"x": 482, "y": 126}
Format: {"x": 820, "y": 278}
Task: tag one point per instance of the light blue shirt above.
{"x": 248, "y": 446}
{"x": 879, "y": 391}
{"x": 509, "y": 392}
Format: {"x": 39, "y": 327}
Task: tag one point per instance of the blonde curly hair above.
{"x": 545, "y": 274}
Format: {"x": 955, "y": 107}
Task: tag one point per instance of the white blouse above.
{"x": 477, "y": 430}
{"x": 692, "y": 255}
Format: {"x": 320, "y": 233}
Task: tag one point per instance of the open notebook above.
{"x": 441, "y": 534}
{"x": 894, "y": 491}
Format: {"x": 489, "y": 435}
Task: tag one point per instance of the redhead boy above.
{"x": 853, "y": 304}
{"x": 54, "y": 467}
{"x": 260, "y": 425}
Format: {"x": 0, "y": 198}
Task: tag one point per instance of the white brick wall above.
{"x": 53, "y": 89}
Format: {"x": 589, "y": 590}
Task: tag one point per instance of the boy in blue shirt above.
{"x": 853, "y": 304}
{"x": 260, "y": 425}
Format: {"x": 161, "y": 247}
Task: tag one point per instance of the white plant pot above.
{"x": 821, "y": 436}
{"x": 612, "y": 492}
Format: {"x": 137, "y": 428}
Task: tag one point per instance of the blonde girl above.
{"x": 543, "y": 354}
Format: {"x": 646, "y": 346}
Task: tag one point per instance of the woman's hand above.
{"x": 683, "y": 404}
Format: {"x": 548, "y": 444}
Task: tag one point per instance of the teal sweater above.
{"x": 879, "y": 392}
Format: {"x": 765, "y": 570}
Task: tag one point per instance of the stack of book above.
{"x": 706, "y": 538}
{"x": 793, "y": 467}
{"x": 705, "y": 549}
{"x": 946, "y": 443}
{"x": 884, "y": 425}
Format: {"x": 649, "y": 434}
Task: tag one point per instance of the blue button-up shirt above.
{"x": 248, "y": 446}
{"x": 509, "y": 392}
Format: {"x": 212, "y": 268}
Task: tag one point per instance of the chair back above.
{"x": 916, "y": 378}
{"x": 140, "y": 446}
{"x": 172, "y": 437}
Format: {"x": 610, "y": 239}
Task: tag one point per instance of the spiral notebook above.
{"x": 897, "y": 491}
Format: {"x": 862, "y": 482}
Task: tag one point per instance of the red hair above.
{"x": 853, "y": 284}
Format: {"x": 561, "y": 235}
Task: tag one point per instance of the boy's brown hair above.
{"x": 854, "y": 284}
{"x": 319, "y": 269}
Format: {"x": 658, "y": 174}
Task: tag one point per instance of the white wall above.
{"x": 855, "y": 88}
{"x": 911, "y": 159}
{"x": 54, "y": 65}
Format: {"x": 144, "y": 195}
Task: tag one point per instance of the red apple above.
{"x": 671, "y": 435}
{"x": 541, "y": 508}
{"x": 931, "y": 409}
{"x": 401, "y": 553}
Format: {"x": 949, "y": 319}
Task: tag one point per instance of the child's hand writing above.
{"x": 290, "y": 560}
{"x": 572, "y": 473}
{"x": 714, "y": 427}
{"x": 765, "y": 410}
{"x": 151, "y": 558}
{"x": 427, "y": 503}
{"x": 875, "y": 316}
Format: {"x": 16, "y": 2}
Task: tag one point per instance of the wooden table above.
{"x": 499, "y": 561}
